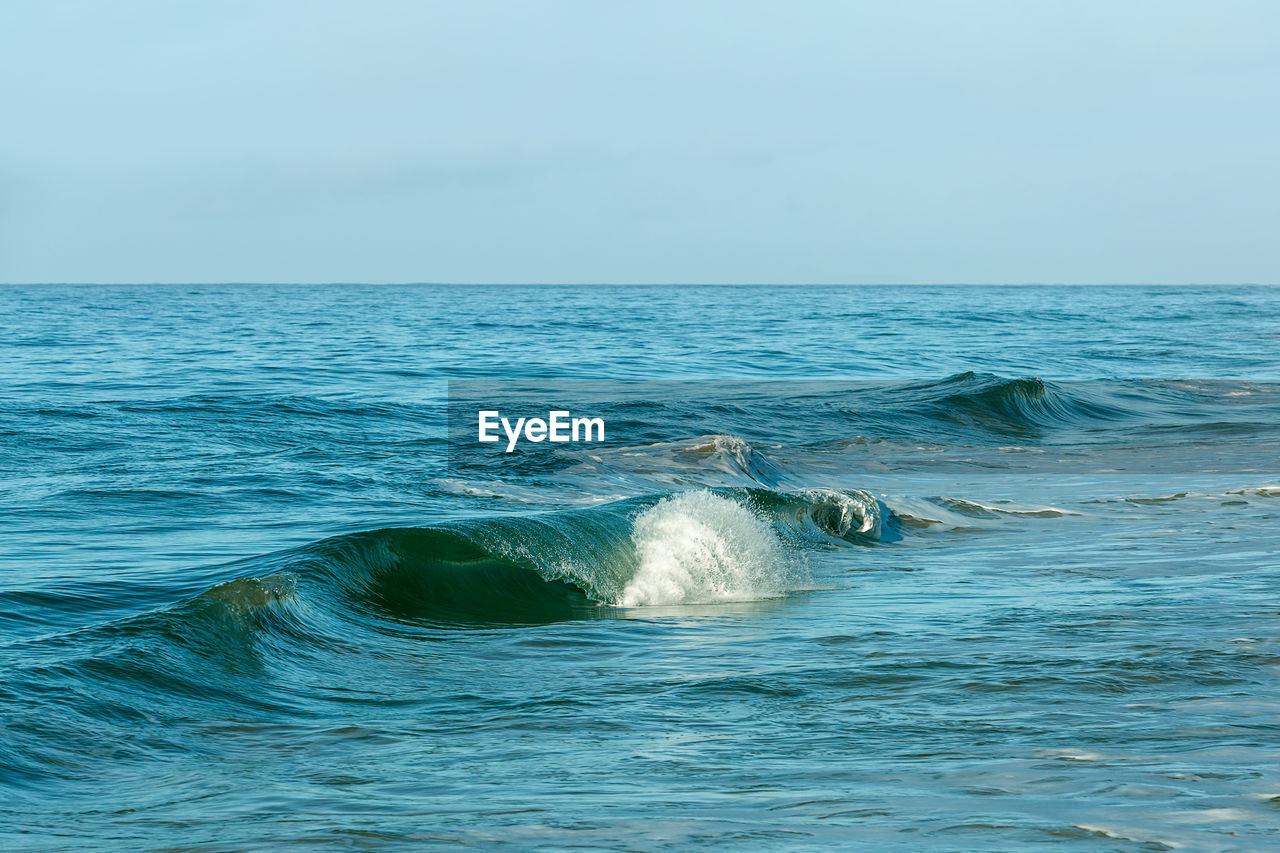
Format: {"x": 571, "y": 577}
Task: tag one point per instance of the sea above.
{"x": 953, "y": 568}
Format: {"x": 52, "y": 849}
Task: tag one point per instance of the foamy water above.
{"x": 696, "y": 547}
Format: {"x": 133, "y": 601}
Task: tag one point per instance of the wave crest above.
{"x": 1014, "y": 406}
{"x": 699, "y": 547}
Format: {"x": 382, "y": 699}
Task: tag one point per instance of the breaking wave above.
{"x": 691, "y": 547}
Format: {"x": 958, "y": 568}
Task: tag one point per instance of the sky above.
{"x": 667, "y": 142}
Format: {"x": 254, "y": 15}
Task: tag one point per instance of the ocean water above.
{"x": 944, "y": 568}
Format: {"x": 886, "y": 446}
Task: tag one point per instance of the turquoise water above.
{"x": 948, "y": 568}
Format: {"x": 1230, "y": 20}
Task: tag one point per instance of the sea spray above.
{"x": 698, "y": 547}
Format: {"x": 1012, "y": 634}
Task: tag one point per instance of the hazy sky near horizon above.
{"x": 393, "y": 140}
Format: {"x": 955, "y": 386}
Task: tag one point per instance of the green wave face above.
{"x": 695, "y": 547}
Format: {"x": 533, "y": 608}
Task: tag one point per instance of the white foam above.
{"x": 698, "y": 547}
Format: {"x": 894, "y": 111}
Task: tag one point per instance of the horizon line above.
{"x": 211, "y": 283}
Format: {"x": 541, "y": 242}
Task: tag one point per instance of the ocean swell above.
{"x": 689, "y": 547}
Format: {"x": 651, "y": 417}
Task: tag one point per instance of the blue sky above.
{"x": 640, "y": 142}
